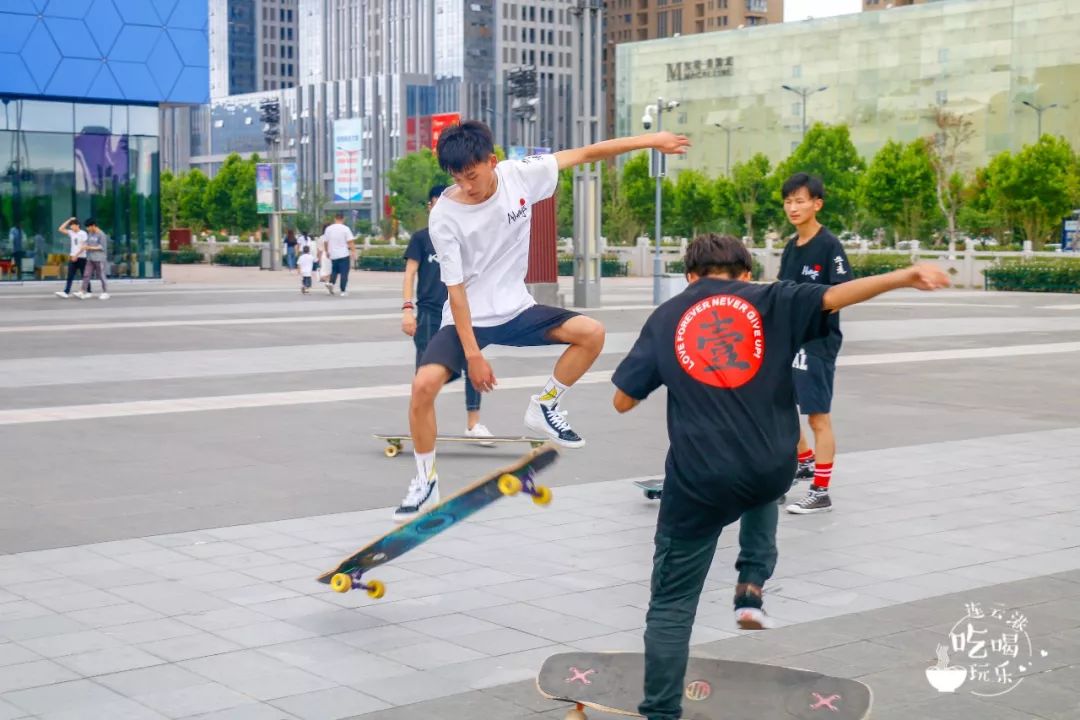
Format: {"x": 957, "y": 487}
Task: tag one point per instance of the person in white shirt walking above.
{"x": 306, "y": 241}
{"x": 480, "y": 229}
{"x": 76, "y": 260}
{"x": 341, "y": 249}
{"x": 306, "y": 264}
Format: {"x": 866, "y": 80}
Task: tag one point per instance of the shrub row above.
{"x": 186, "y": 255}
{"x": 1034, "y": 275}
{"x": 610, "y": 266}
{"x": 237, "y": 256}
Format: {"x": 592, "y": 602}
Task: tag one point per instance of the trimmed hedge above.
{"x": 610, "y": 266}
{"x": 382, "y": 259}
{"x": 186, "y": 255}
{"x": 678, "y": 267}
{"x": 237, "y": 256}
{"x": 866, "y": 265}
{"x": 1034, "y": 275}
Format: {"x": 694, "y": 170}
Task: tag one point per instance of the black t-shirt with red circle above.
{"x": 723, "y": 348}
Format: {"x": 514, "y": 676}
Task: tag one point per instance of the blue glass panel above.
{"x": 138, "y": 12}
{"x": 72, "y": 38}
{"x": 190, "y": 14}
{"x": 193, "y": 86}
{"x": 40, "y": 55}
{"x": 164, "y": 64}
{"x": 73, "y": 77}
{"x": 104, "y": 86}
{"x": 164, "y": 9}
{"x": 16, "y": 78}
{"x": 134, "y": 43}
{"x": 193, "y": 46}
{"x": 14, "y": 30}
{"x": 26, "y": 7}
{"x": 104, "y": 24}
{"x": 68, "y": 8}
{"x": 135, "y": 81}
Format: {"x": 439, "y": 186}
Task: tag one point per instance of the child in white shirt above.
{"x": 306, "y": 263}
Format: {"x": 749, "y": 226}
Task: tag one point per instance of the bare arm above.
{"x": 480, "y": 372}
{"x": 408, "y": 317}
{"x": 923, "y": 276}
{"x": 623, "y": 402}
{"x": 665, "y": 142}
{"x": 64, "y": 226}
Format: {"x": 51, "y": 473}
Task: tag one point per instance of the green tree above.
{"x": 750, "y": 193}
{"x": 244, "y": 208}
{"x": 170, "y": 199}
{"x": 619, "y": 225}
{"x": 827, "y": 151}
{"x": 693, "y": 207}
{"x": 565, "y": 203}
{"x": 1036, "y": 187}
{"x": 979, "y": 214}
{"x": 409, "y": 180}
{"x": 899, "y": 187}
{"x": 230, "y": 195}
{"x": 639, "y": 190}
{"x": 947, "y": 156}
{"x": 191, "y": 199}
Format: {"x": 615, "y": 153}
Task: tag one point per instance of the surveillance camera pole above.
{"x": 657, "y": 267}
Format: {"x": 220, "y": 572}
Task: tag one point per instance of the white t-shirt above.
{"x": 78, "y": 239}
{"x": 306, "y": 263}
{"x": 486, "y": 246}
{"x": 306, "y": 241}
{"x": 337, "y": 237}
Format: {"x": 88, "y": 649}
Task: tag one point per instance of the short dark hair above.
{"x": 812, "y": 183}
{"x": 713, "y": 254}
{"x": 90, "y": 221}
{"x": 462, "y": 146}
{"x": 339, "y": 214}
{"x": 307, "y": 249}
{"x": 436, "y": 191}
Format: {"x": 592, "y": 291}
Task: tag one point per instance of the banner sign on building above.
{"x": 288, "y": 188}
{"x": 264, "y": 188}
{"x": 348, "y": 148}
{"x": 519, "y": 152}
{"x": 424, "y": 131}
{"x": 440, "y": 122}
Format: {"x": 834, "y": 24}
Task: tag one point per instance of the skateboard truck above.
{"x": 344, "y": 582}
{"x": 511, "y": 485}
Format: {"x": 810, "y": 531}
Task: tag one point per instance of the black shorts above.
{"x": 529, "y": 328}
{"x": 813, "y": 377}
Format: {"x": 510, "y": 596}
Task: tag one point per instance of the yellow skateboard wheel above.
{"x": 341, "y": 583}
{"x": 543, "y": 495}
{"x": 575, "y": 714}
{"x": 391, "y": 450}
{"x": 509, "y": 484}
{"x": 375, "y": 589}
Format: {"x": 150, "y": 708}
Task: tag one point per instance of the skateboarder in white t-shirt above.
{"x": 480, "y": 229}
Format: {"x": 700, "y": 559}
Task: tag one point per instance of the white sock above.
{"x": 425, "y": 464}
{"x": 552, "y": 391}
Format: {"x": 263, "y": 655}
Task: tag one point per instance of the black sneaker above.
{"x": 749, "y": 612}
{"x": 804, "y": 472}
{"x": 816, "y": 501}
{"x": 551, "y": 422}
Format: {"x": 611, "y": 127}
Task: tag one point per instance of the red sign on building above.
{"x": 424, "y": 131}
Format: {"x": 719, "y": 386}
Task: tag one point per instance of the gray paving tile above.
{"x": 10, "y": 712}
{"x": 385, "y": 637}
{"x": 450, "y": 626}
{"x": 347, "y": 667}
{"x": 41, "y": 626}
{"x": 33, "y": 674}
{"x": 15, "y": 653}
{"x": 540, "y": 622}
{"x": 237, "y": 665}
{"x": 278, "y": 684}
{"x": 253, "y": 594}
{"x": 121, "y": 614}
{"x": 189, "y": 646}
{"x": 159, "y": 678}
{"x": 228, "y": 617}
{"x": 408, "y": 690}
{"x": 333, "y": 622}
{"x": 109, "y": 660}
{"x": 121, "y": 709}
{"x": 71, "y": 643}
{"x": 171, "y": 598}
{"x": 246, "y": 712}
{"x": 193, "y": 700}
{"x": 331, "y": 704}
{"x": 499, "y": 641}
{"x": 149, "y": 630}
{"x": 80, "y": 601}
{"x": 431, "y": 654}
{"x": 266, "y": 633}
{"x": 61, "y": 696}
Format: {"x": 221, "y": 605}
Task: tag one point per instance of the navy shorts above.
{"x": 529, "y": 328}
{"x": 813, "y": 377}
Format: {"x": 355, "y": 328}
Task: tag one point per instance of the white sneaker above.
{"x": 752, "y": 618}
{"x": 62, "y": 294}
{"x": 84, "y": 295}
{"x": 329, "y": 288}
{"x": 103, "y": 296}
{"x": 423, "y": 494}
{"x": 551, "y": 421}
{"x": 344, "y": 294}
{"x": 479, "y": 430}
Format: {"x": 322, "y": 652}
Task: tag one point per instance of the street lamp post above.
{"x": 1039, "y": 110}
{"x": 658, "y": 165}
{"x": 727, "y": 130}
{"x": 804, "y": 93}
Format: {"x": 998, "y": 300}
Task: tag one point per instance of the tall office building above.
{"x": 465, "y": 46}
{"x": 253, "y": 46}
{"x": 632, "y": 20}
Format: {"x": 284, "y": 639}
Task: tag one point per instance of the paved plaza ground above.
{"x": 178, "y": 463}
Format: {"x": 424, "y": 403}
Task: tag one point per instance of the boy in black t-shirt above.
{"x": 422, "y": 320}
{"x": 723, "y": 347}
{"x": 814, "y": 255}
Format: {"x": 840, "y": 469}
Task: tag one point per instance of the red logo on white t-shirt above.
{"x": 720, "y": 341}
{"x": 521, "y": 201}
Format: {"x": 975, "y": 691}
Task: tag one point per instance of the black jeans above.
{"x": 340, "y": 268}
{"x": 427, "y": 324}
{"x": 679, "y": 570}
{"x": 74, "y": 265}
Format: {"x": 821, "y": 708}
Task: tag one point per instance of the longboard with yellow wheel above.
{"x": 513, "y": 479}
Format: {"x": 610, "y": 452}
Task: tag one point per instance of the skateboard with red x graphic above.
{"x": 613, "y": 683}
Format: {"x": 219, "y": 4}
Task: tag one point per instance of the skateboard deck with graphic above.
{"x": 396, "y": 443}
{"x": 510, "y": 480}
{"x": 713, "y": 689}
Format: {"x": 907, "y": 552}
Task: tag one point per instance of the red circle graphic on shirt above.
{"x": 521, "y": 201}
{"x": 817, "y": 268}
{"x": 720, "y": 341}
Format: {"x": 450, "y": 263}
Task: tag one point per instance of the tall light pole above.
{"x": 1039, "y": 110}
{"x": 727, "y": 130}
{"x": 804, "y": 93}
{"x": 657, "y": 169}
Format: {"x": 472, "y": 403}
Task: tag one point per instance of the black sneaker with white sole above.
{"x": 804, "y": 472}
{"x": 551, "y": 421}
{"x": 817, "y": 500}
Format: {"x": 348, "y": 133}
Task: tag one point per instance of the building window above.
{"x": 723, "y": 21}
{"x": 661, "y": 24}
{"x": 676, "y": 21}
{"x": 796, "y": 71}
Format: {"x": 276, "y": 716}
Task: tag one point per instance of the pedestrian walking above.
{"x": 306, "y": 263}
{"x": 97, "y": 259}
{"x": 76, "y": 260}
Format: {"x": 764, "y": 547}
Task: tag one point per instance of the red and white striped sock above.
{"x": 806, "y": 457}
{"x": 822, "y": 475}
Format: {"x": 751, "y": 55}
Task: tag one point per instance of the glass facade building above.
{"x": 883, "y": 74}
{"x": 80, "y": 92}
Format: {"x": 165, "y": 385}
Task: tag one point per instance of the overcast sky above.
{"x": 800, "y": 9}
